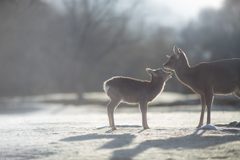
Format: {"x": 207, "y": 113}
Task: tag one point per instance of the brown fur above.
{"x": 136, "y": 91}
{"x": 206, "y": 79}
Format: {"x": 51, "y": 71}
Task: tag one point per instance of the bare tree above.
{"x": 95, "y": 30}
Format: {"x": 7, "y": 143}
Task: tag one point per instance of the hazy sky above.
{"x": 166, "y": 12}
{"x": 171, "y": 12}
{"x": 184, "y": 8}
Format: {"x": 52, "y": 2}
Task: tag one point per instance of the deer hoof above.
{"x": 146, "y": 127}
{"x": 114, "y": 128}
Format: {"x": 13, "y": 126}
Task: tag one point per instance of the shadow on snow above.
{"x": 121, "y": 140}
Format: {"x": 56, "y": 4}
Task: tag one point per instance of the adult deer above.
{"x": 136, "y": 91}
{"x": 207, "y": 78}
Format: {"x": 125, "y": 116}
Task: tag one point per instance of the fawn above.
{"x": 134, "y": 91}
{"x": 206, "y": 78}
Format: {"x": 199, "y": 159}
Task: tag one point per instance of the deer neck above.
{"x": 184, "y": 73}
{"x": 157, "y": 83}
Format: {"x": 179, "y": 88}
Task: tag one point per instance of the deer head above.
{"x": 177, "y": 59}
{"x": 159, "y": 73}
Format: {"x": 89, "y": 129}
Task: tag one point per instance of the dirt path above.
{"x": 59, "y": 132}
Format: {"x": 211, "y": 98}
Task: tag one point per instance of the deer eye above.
{"x": 172, "y": 57}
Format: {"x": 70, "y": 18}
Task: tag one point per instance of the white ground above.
{"x": 31, "y": 130}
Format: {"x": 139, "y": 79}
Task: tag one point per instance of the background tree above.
{"x": 215, "y": 35}
{"x": 76, "y": 47}
{"x": 94, "y": 30}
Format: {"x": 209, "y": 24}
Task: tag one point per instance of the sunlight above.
{"x": 172, "y": 12}
{"x": 187, "y": 8}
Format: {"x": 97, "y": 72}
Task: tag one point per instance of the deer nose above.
{"x": 169, "y": 74}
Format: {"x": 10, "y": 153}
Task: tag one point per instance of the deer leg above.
{"x": 143, "y": 108}
{"x": 110, "y": 110}
{"x": 203, "y": 102}
{"x": 209, "y": 100}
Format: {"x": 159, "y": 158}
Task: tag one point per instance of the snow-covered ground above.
{"x": 31, "y": 129}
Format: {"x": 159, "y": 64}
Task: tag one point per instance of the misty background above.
{"x": 73, "y": 46}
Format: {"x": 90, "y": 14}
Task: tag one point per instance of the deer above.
{"x": 206, "y": 78}
{"x": 134, "y": 91}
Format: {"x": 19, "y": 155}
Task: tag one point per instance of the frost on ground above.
{"x": 35, "y": 130}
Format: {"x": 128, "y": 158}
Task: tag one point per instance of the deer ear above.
{"x": 149, "y": 71}
{"x": 180, "y": 50}
{"x": 176, "y": 51}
